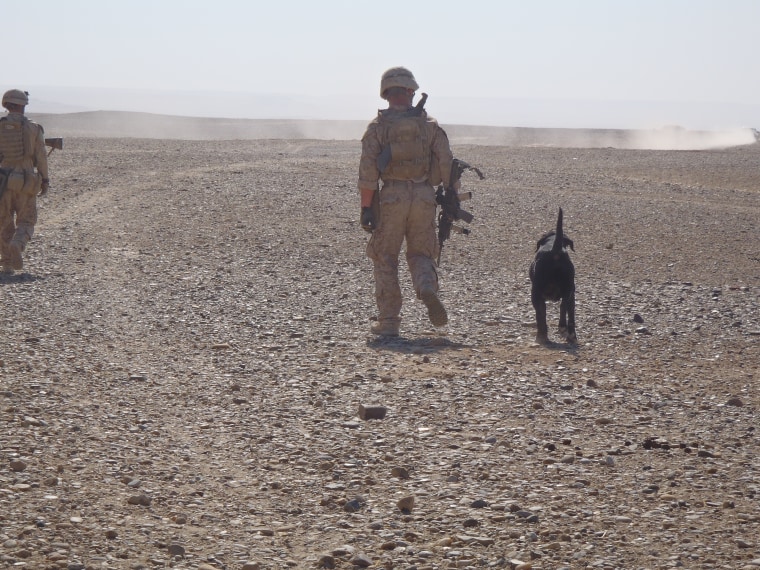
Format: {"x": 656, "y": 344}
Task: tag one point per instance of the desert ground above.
{"x": 186, "y": 353}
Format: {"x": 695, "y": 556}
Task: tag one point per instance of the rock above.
{"x": 372, "y": 412}
{"x": 17, "y": 465}
{"x": 361, "y": 560}
{"x": 111, "y": 534}
{"x": 406, "y": 504}
{"x": 142, "y": 500}
{"x": 479, "y": 504}
{"x": 263, "y": 531}
{"x": 257, "y": 566}
{"x": 735, "y": 401}
{"x": 400, "y": 473}
{"x": 326, "y": 561}
{"x": 353, "y": 505}
{"x": 176, "y": 550}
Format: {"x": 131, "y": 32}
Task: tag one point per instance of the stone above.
{"x": 142, "y": 500}
{"x": 400, "y": 473}
{"x": 176, "y": 550}
{"x": 406, "y": 504}
{"x": 372, "y": 412}
{"x": 17, "y": 465}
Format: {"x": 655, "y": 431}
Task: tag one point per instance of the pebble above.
{"x": 352, "y": 506}
{"x": 142, "y": 500}
{"x": 406, "y": 504}
{"x": 17, "y": 465}
{"x": 362, "y": 561}
{"x": 372, "y": 412}
{"x": 326, "y": 561}
{"x": 400, "y": 473}
{"x": 176, "y": 550}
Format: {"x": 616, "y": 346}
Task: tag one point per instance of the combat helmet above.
{"x": 16, "y": 96}
{"x": 397, "y": 77}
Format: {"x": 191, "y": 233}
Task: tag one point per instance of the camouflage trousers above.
{"x": 406, "y": 212}
{"x": 18, "y": 214}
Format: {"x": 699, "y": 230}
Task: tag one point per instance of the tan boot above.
{"x": 385, "y": 327}
{"x": 14, "y": 256}
{"x": 436, "y": 310}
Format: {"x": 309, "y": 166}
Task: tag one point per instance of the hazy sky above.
{"x": 673, "y": 51}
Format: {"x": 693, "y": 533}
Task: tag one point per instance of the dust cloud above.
{"x": 120, "y": 124}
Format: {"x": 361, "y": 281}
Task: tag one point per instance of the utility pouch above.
{"x": 16, "y": 180}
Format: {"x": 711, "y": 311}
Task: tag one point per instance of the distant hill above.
{"x": 121, "y": 124}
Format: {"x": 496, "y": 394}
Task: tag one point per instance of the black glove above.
{"x": 368, "y": 219}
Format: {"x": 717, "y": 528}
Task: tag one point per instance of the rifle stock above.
{"x": 54, "y": 143}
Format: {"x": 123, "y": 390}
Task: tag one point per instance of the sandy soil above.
{"x": 184, "y": 358}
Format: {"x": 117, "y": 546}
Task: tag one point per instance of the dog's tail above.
{"x": 559, "y": 236}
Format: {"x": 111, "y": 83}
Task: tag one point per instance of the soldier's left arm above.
{"x": 40, "y": 154}
{"x": 442, "y": 153}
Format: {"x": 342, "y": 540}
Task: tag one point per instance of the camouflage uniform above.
{"x": 22, "y": 148}
{"x": 419, "y": 153}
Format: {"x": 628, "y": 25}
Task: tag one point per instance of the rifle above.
{"x": 54, "y": 143}
{"x": 449, "y": 200}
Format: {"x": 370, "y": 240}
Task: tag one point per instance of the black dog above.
{"x": 552, "y": 275}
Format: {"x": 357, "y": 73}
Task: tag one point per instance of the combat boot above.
{"x": 14, "y": 260}
{"x": 436, "y": 310}
{"x": 385, "y": 327}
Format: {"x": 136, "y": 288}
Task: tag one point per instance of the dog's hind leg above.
{"x": 567, "y": 318}
{"x": 539, "y": 304}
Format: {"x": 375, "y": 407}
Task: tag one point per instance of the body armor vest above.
{"x": 407, "y": 138}
{"x": 14, "y": 142}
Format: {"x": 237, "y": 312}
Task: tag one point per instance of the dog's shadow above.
{"x": 569, "y": 347}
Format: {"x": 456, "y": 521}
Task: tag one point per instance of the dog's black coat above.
{"x": 552, "y": 276}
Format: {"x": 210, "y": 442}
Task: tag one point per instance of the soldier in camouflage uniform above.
{"x": 408, "y": 151}
{"x": 22, "y": 150}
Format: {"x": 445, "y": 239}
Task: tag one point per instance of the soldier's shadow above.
{"x": 414, "y": 345}
{"x": 18, "y": 278}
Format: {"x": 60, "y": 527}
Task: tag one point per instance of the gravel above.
{"x": 187, "y": 379}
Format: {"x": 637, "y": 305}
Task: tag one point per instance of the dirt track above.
{"x": 191, "y": 335}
